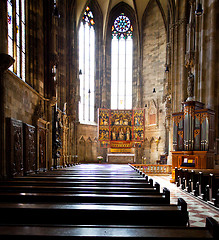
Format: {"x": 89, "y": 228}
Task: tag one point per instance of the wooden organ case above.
{"x": 193, "y": 137}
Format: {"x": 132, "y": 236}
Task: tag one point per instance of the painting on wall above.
{"x": 121, "y": 128}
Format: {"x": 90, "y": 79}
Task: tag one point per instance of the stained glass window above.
{"x": 16, "y": 35}
{"x": 86, "y": 67}
{"x": 121, "y": 63}
{"x": 10, "y": 31}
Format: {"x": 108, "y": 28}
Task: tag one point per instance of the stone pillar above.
{"x": 212, "y": 55}
{"x": 197, "y": 83}
{"x": 182, "y": 49}
{"x": 203, "y": 48}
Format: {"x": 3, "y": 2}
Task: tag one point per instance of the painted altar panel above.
{"x": 138, "y": 129}
{"x": 121, "y": 125}
{"x": 121, "y": 128}
{"x": 104, "y": 133}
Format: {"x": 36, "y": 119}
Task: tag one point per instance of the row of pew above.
{"x": 91, "y": 201}
{"x": 202, "y": 183}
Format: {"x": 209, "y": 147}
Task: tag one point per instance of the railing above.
{"x": 154, "y": 168}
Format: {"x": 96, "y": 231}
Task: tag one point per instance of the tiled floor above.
{"x": 198, "y": 210}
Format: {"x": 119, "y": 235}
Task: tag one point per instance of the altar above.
{"x": 120, "y": 158}
{"x": 120, "y": 131}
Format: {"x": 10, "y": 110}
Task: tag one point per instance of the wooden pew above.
{"x": 202, "y": 183}
{"x": 53, "y": 182}
{"x": 212, "y": 189}
{"x": 159, "y": 198}
{"x": 40, "y": 232}
{"x": 94, "y": 214}
{"x": 83, "y": 179}
{"x": 78, "y": 189}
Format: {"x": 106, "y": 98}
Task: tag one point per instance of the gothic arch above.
{"x": 130, "y": 13}
{"x": 98, "y": 18}
{"x": 157, "y": 2}
{"x": 96, "y": 10}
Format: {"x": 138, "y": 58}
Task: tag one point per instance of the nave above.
{"x": 95, "y": 200}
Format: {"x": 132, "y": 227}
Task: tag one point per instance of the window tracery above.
{"x": 121, "y": 63}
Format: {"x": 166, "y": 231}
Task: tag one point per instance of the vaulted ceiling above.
{"x": 138, "y": 6}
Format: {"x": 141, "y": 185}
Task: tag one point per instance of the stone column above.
{"x": 182, "y": 49}
{"x": 210, "y": 100}
{"x": 203, "y": 56}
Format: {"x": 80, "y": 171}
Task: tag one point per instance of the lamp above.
{"x": 80, "y": 72}
{"x": 167, "y": 68}
{"x": 199, "y": 10}
{"x": 145, "y": 105}
{"x": 154, "y": 91}
{"x": 89, "y": 91}
{"x": 56, "y": 11}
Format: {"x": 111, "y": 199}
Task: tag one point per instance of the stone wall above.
{"x": 87, "y": 143}
{"x": 153, "y": 74}
{"x": 20, "y": 99}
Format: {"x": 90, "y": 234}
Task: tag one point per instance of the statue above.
{"x": 113, "y": 134}
{"x": 121, "y": 134}
{"x": 190, "y": 88}
{"x": 128, "y": 134}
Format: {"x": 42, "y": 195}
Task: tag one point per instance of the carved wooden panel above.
{"x": 29, "y": 148}
{"x": 14, "y": 148}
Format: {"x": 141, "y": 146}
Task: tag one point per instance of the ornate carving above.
{"x": 177, "y": 119}
{"x": 189, "y": 110}
{"x": 196, "y": 132}
{"x": 29, "y": 149}
{"x": 202, "y": 116}
{"x": 180, "y": 133}
{"x": 14, "y": 147}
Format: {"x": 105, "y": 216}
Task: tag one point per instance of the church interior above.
{"x": 108, "y": 93}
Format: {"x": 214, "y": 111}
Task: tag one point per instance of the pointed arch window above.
{"x": 86, "y": 66}
{"x": 16, "y": 36}
{"x": 121, "y": 63}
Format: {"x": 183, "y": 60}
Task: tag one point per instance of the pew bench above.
{"x": 203, "y": 183}
{"x": 94, "y": 214}
{"x": 63, "y": 189}
{"x": 159, "y": 198}
{"x": 91, "y": 178}
{"x": 39, "y": 232}
{"x": 212, "y": 189}
{"x": 39, "y": 182}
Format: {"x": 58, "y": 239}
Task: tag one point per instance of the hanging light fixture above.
{"x": 154, "y": 90}
{"x": 56, "y": 11}
{"x": 199, "y": 10}
{"x": 167, "y": 68}
{"x": 80, "y": 72}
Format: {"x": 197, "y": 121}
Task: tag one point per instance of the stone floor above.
{"x": 198, "y": 210}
